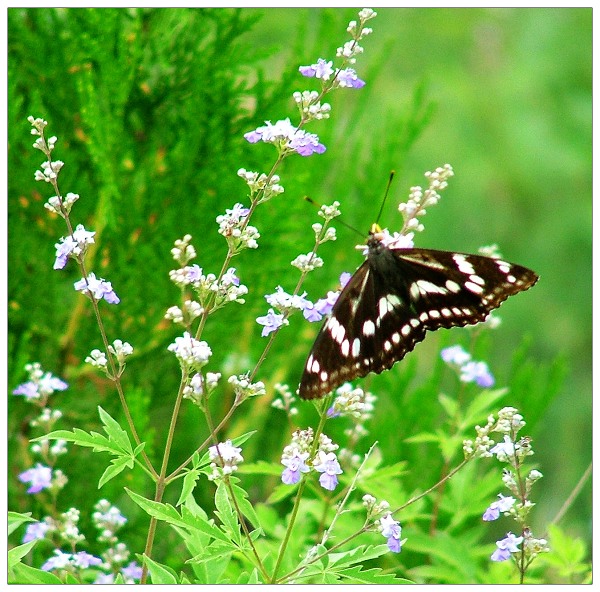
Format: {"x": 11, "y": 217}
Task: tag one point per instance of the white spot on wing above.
{"x": 369, "y": 328}
{"x": 356, "y": 347}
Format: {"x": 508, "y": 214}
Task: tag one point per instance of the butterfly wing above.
{"x": 393, "y": 299}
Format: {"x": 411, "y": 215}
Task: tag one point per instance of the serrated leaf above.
{"x": 189, "y": 483}
{"x": 116, "y": 466}
{"x": 247, "y": 509}
{"x": 359, "y": 554}
{"x": 356, "y": 575}
{"x": 164, "y": 512}
{"x": 226, "y": 514}
{"x": 115, "y": 432}
{"x": 159, "y": 574}
{"x": 97, "y": 442}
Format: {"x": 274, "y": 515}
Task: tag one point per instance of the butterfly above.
{"x": 394, "y": 298}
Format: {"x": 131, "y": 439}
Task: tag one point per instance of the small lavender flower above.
{"x": 59, "y": 561}
{"x": 506, "y": 546}
{"x": 354, "y": 402}
{"x": 392, "y": 531}
{"x": 271, "y": 322}
{"x": 40, "y": 477}
{"x": 295, "y": 463}
{"x": 200, "y": 386}
{"x": 287, "y": 303}
{"x": 477, "y": 372}
{"x": 455, "y": 355}
{"x": 328, "y": 465}
{"x": 99, "y": 288}
{"x": 239, "y": 235}
{"x": 35, "y": 530}
{"x": 83, "y": 560}
{"x": 133, "y": 571}
{"x": 504, "y": 504}
{"x": 322, "y": 69}
{"x": 286, "y": 137}
{"x": 41, "y": 384}
{"x": 73, "y": 246}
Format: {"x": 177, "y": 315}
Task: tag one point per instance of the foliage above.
{"x": 150, "y": 106}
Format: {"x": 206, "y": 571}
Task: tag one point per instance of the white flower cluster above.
{"x": 420, "y": 199}
{"x": 323, "y": 237}
{"x": 201, "y": 386}
{"x": 308, "y": 262}
{"x": 49, "y": 171}
{"x": 212, "y": 294}
{"x": 191, "y": 353}
{"x": 285, "y": 403}
{"x": 284, "y": 302}
{"x": 239, "y": 235}
{"x": 191, "y": 310}
{"x": 330, "y": 212}
{"x": 183, "y": 252}
{"x": 354, "y": 402}
{"x": 244, "y": 388}
{"x": 61, "y": 206}
{"x": 310, "y": 107}
{"x": 224, "y": 459}
{"x": 351, "y": 48}
{"x": 268, "y": 186}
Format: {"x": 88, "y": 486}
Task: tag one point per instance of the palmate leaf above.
{"x": 116, "y": 442}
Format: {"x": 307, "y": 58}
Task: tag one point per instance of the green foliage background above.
{"x": 150, "y": 107}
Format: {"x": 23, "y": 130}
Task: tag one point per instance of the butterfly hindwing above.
{"x": 393, "y": 298}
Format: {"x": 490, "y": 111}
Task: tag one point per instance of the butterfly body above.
{"x": 393, "y": 299}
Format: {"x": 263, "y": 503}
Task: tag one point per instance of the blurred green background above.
{"x": 150, "y": 107}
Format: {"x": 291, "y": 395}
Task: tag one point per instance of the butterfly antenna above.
{"x": 310, "y": 200}
{"x": 387, "y": 190}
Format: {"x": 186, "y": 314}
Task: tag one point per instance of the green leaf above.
{"x": 189, "y": 483}
{"x": 15, "y": 519}
{"x": 115, "y": 432}
{"x": 17, "y": 553}
{"x": 25, "y": 574}
{"x": 160, "y": 574}
{"x": 356, "y": 575}
{"x": 164, "y": 512}
{"x": 449, "y": 405}
{"x": 247, "y": 509}
{"x": 226, "y": 514}
{"x": 481, "y": 406}
{"x": 116, "y": 466}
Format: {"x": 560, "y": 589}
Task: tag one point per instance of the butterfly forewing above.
{"x": 393, "y": 299}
